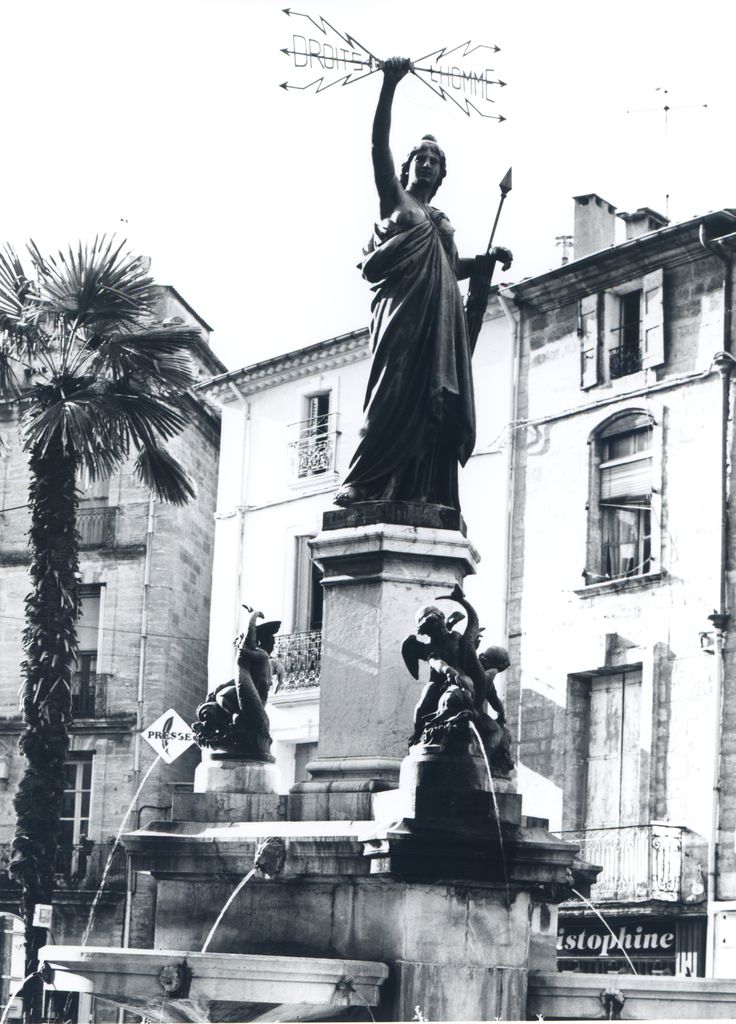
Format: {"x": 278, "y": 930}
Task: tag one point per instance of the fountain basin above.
{"x": 568, "y": 996}
{"x": 179, "y": 985}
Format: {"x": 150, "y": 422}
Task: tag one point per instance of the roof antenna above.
{"x": 566, "y": 241}
{"x": 666, "y": 108}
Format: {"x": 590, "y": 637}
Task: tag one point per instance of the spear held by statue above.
{"x": 480, "y": 279}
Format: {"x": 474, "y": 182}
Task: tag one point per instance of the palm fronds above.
{"x": 97, "y": 286}
{"x": 159, "y": 470}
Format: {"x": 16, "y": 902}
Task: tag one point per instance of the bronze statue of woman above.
{"x": 419, "y": 408}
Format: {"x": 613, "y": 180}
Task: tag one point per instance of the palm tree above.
{"x": 102, "y": 382}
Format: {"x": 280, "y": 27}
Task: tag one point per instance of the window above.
{"x": 625, "y": 355}
{"x": 95, "y": 519}
{"x": 308, "y": 597}
{"x": 93, "y": 493}
{"x": 316, "y": 435}
{"x": 621, "y": 507}
{"x": 84, "y": 679}
{"x": 626, "y": 504}
{"x": 621, "y": 331}
{"x": 75, "y": 811}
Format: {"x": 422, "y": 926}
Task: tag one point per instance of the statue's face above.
{"x": 425, "y": 168}
{"x": 430, "y": 622}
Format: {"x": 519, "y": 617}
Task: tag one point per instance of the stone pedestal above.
{"x": 437, "y": 787}
{"x": 221, "y": 772}
{"x": 376, "y": 576}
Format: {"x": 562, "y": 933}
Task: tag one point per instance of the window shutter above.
{"x": 652, "y": 320}
{"x": 588, "y": 333}
{"x": 631, "y": 480}
{"x": 313, "y": 417}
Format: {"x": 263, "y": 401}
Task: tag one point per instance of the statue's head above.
{"x": 495, "y": 657}
{"x": 426, "y": 163}
{"x": 430, "y": 620}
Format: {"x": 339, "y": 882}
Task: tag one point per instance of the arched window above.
{"x": 620, "y": 539}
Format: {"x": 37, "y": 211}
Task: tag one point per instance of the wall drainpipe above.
{"x": 142, "y": 650}
{"x": 140, "y": 698}
{"x": 506, "y": 302}
{"x": 724, "y": 362}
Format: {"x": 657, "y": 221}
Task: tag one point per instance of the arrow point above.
{"x": 284, "y": 85}
{"x": 502, "y": 84}
{"x": 286, "y": 10}
{"x": 501, "y": 118}
{"x": 496, "y": 49}
{"x": 285, "y": 50}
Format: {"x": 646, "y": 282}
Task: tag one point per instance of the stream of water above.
{"x": 15, "y": 994}
{"x": 229, "y": 900}
{"x": 613, "y": 934}
{"x": 495, "y": 809}
{"x": 113, "y": 848}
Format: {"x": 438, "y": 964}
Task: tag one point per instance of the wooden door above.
{"x": 613, "y": 751}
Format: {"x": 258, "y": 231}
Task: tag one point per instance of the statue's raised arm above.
{"x": 387, "y": 183}
{"x": 419, "y": 409}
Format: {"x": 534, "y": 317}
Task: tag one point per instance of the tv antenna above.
{"x": 566, "y": 241}
{"x": 666, "y": 109}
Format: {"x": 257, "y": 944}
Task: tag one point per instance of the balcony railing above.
{"x": 640, "y": 862}
{"x": 96, "y": 526}
{"x": 313, "y": 450}
{"x": 299, "y": 654}
{"x": 81, "y": 866}
{"x": 623, "y": 361}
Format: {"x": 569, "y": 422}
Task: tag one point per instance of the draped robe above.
{"x": 419, "y": 408}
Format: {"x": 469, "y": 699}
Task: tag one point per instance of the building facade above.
{"x": 621, "y": 674}
{"x": 598, "y": 499}
{"x": 146, "y": 591}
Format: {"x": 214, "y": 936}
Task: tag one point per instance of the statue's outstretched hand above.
{"x": 396, "y": 68}
{"x": 502, "y": 255}
{"x": 483, "y": 265}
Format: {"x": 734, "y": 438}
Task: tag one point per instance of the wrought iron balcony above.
{"x": 623, "y": 361}
{"x": 640, "y": 862}
{"x": 299, "y": 655}
{"x": 82, "y": 866}
{"x": 313, "y": 450}
{"x": 96, "y": 526}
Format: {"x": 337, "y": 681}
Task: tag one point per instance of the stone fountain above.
{"x": 409, "y": 885}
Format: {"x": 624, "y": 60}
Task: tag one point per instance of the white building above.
{"x": 289, "y": 428}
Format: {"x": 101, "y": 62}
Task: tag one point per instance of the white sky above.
{"x": 255, "y": 202}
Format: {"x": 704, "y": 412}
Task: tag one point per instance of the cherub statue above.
{"x": 459, "y": 684}
{"x": 233, "y": 717}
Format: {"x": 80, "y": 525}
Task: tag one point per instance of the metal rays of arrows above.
{"x": 338, "y": 58}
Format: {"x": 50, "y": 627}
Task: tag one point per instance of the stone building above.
{"x": 621, "y": 583}
{"x": 289, "y": 428}
{"x": 146, "y": 576}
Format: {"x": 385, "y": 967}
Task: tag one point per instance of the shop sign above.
{"x": 640, "y": 939}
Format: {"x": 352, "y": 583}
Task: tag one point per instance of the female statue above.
{"x": 419, "y": 409}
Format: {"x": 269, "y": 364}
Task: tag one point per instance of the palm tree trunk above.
{"x": 50, "y": 645}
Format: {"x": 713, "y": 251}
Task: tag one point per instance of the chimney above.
{"x": 595, "y": 224}
{"x": 642, "y": 222}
